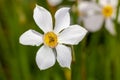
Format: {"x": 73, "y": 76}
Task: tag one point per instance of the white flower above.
{"x": 53, "y": 40}
{"x": 54, "y": 2}
{"x": 105, "y": 11}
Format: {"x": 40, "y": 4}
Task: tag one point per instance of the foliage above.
{"x": 97, "y": 57}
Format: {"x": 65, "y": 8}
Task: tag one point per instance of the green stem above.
{"x": 73, "y": 54}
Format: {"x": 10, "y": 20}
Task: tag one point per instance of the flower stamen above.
{"x": 107, "y": 11}
{"x": 50, "y": 39}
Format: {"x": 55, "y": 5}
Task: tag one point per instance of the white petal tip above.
{"x": 86, "y": 31}
{"x": 65, "y": 66}
{"x": 69, "y": 67}
{"x": 67, "y": 8}
{"x": 114, "y": 33}
{"x": 42, "y": 68}
{"x": 37, "y": 5}
{"x": 20, "y": 40}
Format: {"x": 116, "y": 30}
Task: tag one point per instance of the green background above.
{"x": 96, "y": 57}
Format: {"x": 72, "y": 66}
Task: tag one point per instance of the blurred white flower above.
{"x": 54, "y": 2}
{"x": 104, "y": 11}
{"x": 54, "y": 40}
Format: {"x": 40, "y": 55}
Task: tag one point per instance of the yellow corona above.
{"x": 50, "y": 39}
{"x": 107, "y": 11}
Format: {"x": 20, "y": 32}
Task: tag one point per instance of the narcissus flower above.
{"x": 104, "y": 11}
{"x": 55, "y": 40}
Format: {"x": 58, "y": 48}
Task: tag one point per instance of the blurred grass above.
{"x": 97, "y": 57}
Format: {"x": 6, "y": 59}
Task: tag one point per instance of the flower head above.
{"x": 104, "y": 11}
{"x": 54, "y": 40}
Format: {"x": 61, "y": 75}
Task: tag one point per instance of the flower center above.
{"x": 50, "y": 39}
{"x": 107, "y": 11}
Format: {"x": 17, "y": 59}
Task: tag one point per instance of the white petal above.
{"x": 31, "y": 37}
{"x": 45, "y": 58}
{"x": 82, "y": 6}
{"x": 72, "y": 35}
{"x": 62, "y": 18}
{"x": 43, "y": 18}
{"x": 109, "y": 25}
{"x": 93, "y": 8}
{"x": 114, "y": 14}
{"x": 114, "y": 2}
{"x": 93, "y": 23}
{"x": 104, "y": 2}
{"x": 54, "y": 2}
{"x": 110, "y": 2}
{"x": 64, "y": 56}
{"x": 88, "y": 7}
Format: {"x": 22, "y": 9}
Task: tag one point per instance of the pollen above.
{"x": 50, "y": 39}
{"x": 107, "y": 11}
